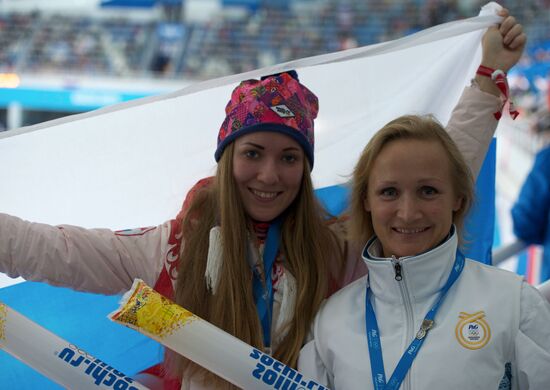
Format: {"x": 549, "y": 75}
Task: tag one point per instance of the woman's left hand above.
{"x": 503, "y": 44}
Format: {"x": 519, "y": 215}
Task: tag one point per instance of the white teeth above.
{"x": 264, "y": 195}
{"x": 410, "y": 231}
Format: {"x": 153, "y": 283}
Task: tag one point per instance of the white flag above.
{"x": 130, "y": 165}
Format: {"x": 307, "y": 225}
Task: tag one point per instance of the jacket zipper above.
{"x": 409, "y": 331}
{"x": 397, "y": 267}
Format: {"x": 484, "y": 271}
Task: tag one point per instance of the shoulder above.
{"x": 342, "y": 304}
{"x": 340, "y": 321}
{"x": 533, "y": 302}
{"x": 490, "y": 282}
{"x": 203, "y": 184}
{"x": 491, "y": 270}
{"x": 351, "y": 290}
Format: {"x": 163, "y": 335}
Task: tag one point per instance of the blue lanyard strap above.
{"x": 263, "y": 292}
{"x": 404, "y": 364}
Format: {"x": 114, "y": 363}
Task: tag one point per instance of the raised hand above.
{"x": 503, "y": 44}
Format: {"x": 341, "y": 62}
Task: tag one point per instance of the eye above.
{"x": 290, "y": 158}
{"x": 388, "y": 193}
{"x": 251, "y": 154}
{"x": 429, "y": 191}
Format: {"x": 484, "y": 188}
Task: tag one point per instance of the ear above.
{"x": 458, "y": 203}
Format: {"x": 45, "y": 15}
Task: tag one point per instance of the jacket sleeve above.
{"x": 92, "y": 260}
{"x": 531, "y": 213}
{"x": 472, "y": 125}
{"x": 532, "y": 343}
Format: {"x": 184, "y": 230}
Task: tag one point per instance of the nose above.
{"x": 408, "y": 208}
{"x": 268, "y": 172}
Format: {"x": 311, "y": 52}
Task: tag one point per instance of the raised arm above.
{"x": 93, "y": 260}
{"x": 473, "y": 124}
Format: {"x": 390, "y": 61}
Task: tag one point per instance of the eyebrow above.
{"x": 423, "y": 181}
{"x": 429, "y": 180}
{"x": 263, "y": 148}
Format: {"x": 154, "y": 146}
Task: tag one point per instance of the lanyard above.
{"x": 404, "y": 364}
{"x": 263, "y": 291}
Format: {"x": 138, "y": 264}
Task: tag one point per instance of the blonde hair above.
{"x": 306, "y": 244}
{"x": 425, "y": 128}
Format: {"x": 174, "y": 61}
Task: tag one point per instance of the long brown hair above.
{"x": 414, "y": 127}
{"x": 307, "y": 246}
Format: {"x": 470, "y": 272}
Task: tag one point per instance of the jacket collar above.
{"x": 422, "y": 275}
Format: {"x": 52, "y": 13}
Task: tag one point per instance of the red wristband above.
{"x": 486, "y": 71}
{"x": 499, "y": 77}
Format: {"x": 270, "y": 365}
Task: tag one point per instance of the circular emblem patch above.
{"x": 472, "y": 331}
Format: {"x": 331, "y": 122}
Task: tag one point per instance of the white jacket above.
{"x": 513, "y": 326}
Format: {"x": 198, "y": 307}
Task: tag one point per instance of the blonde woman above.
{"x": 424, "y": 317}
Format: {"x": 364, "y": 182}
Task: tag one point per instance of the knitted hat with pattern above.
{"x": 277, "y": 103}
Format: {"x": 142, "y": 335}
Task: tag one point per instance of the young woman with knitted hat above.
{"x": 252, "y": 251}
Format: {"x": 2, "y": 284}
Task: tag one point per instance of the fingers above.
{"x": 515, "y": 38}
{"x": 504, "y": 12}
{"x": 512, "y": 32}
{"x": 507, "y": 24}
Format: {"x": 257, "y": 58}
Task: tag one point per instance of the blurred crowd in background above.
{"x": 251, "y": 35}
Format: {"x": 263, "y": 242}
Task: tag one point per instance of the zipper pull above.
{"x": 397, "y": 268}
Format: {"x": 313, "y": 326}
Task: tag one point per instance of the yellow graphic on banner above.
{"x": 155, "y": 314}
{"x": 473, "y": 331}
{"x": 3, "y": 320}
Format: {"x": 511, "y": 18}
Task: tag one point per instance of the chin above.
{"x": 410, "y": 251}
{"x": 263, "y": 217}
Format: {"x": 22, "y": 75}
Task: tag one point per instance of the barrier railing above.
{"x": 512, "y": 249}
{"x": 507, "y": 251}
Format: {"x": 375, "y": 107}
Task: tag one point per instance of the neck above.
{"x": 260, "y": 229}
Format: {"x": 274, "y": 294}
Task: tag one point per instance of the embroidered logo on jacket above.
{"x": 472, "y": 330}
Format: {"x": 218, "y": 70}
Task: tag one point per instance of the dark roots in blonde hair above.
{"x": 307, "y": 246}
{"x": 414, "y": 127}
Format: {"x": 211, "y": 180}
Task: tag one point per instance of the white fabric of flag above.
{"x": 131, "y": 164}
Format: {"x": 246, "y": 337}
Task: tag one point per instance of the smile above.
{"x": 264, "y": 195}
{"x": 410, "y": 230}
